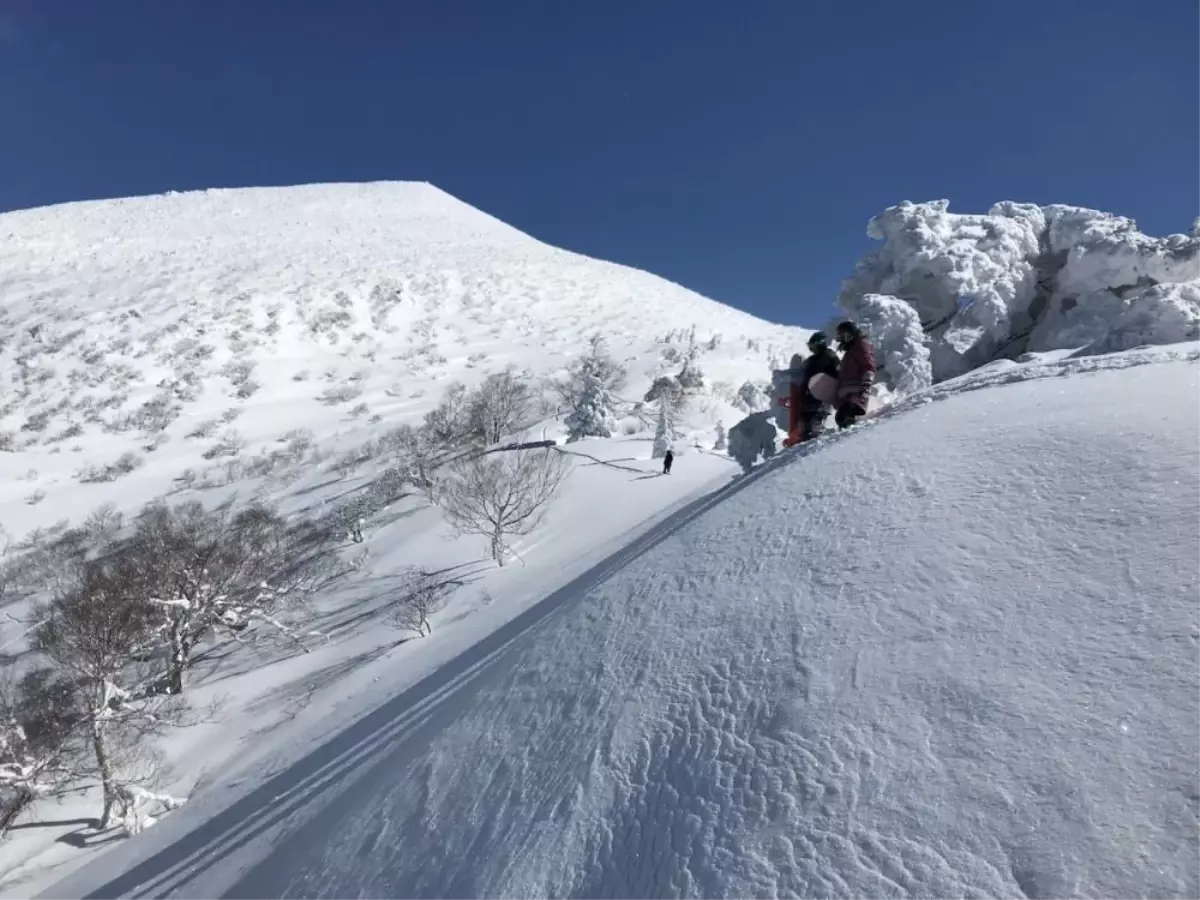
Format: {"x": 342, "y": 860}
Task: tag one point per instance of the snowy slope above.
{"x": 161, "y": 326}
{"x": 297, "y": 326}
{"x": 953, "y": 652}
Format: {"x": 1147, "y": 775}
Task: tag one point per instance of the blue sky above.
{"x": 737, "y": 148}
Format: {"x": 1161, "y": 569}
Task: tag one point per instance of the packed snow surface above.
{"x": 949, "y": 653}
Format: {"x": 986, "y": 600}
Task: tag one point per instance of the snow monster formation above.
{"x": 947, "y": 293}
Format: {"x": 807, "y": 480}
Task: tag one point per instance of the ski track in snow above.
{"x": 953, "y": 654}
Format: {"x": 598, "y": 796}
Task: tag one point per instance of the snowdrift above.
{"x": 947, "y": 293}
{"x": 949, "y": 653}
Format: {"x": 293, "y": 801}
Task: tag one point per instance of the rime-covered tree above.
{"x": 664, "y": 434}
{"x": 588, "y": 389}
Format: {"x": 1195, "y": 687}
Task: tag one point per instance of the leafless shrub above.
{"x": 8, "y": 442}
{"x": 231, "y": 443}
{"x": 124, "y": 464}
{"x": 205, "y": 429}
{"x": 419, "y": 595}
{"x": 502, "y": 495}
{"x": 332, "y": 396}
{"x": 231, "y": 415}
{"x": 36, "y": 497}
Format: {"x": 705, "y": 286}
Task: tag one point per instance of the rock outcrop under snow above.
{"x": 946, "y": 292}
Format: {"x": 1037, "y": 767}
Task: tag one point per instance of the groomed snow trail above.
{"x": 949, "y": 654}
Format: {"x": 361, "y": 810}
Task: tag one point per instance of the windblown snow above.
{"x": 951, "y": 652}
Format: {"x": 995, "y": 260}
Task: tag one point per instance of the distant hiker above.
{"x": 667, "y": 460}
{"x": 821, "y": 361}
{"x": 856, "y": 374}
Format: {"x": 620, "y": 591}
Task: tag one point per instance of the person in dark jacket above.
{"x": 667, "y": 461}
{"x": 821, "y": 361}
{"x": 856, "y": 374}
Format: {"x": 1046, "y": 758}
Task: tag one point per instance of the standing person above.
{"x": 856, "y": 374}
{"x": 667, "y": 460}
{"x": 821, "y": 361}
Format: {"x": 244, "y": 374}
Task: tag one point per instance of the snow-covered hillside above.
{"x": 271, "y": 344}
{"x": 215, "y": 322}
{"x": 950, "y": 653}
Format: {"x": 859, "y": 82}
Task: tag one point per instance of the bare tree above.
{"x": 502, "y": 495}
{"x": 100, "y": 637}
{"x": 36, "y": 723}
{"x": 499, "y": 406}
{"x": 206, "y": 570}
{"x": 447, "y": 423}
{"x": 420, "y": 594}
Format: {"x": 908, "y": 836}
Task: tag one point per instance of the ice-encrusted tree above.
{"x": 753, "y": 437}
{"x": 895, "y": 331}
{"x": 588, "y": 391}
{"x": 1024, "y": 278}
{"x": 664, "y": 433}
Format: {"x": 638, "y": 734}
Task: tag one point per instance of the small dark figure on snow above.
{"x": 856, "y": 374}
{"x": 821, "y": 361}
{"x": 667, "y": 460}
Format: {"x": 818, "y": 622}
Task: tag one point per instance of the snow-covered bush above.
{"x": 750, "y": 397}
{"x": 124, "y": 464}
{"x": 894, "y": 328}
{"x": 1021, "y": 278}
{"x": 664, "y": 433}
{"x": 751, "y": 438}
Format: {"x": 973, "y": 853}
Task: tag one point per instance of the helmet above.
{"x": 818, "y": 339}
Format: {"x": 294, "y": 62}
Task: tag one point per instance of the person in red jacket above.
{"x": 856, "y": 374}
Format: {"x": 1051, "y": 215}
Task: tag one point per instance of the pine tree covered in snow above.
{"x": 588, "y": 390}
{"x": 664, "y": 435}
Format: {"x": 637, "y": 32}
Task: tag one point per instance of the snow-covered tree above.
{"x": 99, "y": 638}
{"x": 502, "y": 495}
{"x": 203, "y": 571}
{"x": 664, "y": 434}
{"x": 1021, "y": 278}
{"x": 894, "y": 328}
{"x": 751, "y": 438}
{"x": 720, "y": 444}
{"x": 588, "y": 391}
{"x": 750, "y": 397}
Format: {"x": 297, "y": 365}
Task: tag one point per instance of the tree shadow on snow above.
{"x": 401, "y": 726}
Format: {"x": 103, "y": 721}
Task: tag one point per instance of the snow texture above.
{"x": 1021, "y": 278}
{"x": 948, "y": 653}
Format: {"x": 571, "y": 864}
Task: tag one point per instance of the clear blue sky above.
{"x": 737, "y": 148}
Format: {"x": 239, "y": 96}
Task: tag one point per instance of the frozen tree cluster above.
{"x": 947, "y": 292}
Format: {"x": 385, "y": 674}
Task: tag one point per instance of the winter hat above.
{"x": 818, "y": 339}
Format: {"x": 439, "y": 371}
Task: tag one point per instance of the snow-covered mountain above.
{"x": 949, "y": 653}
{"x": 172, "y": 326}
